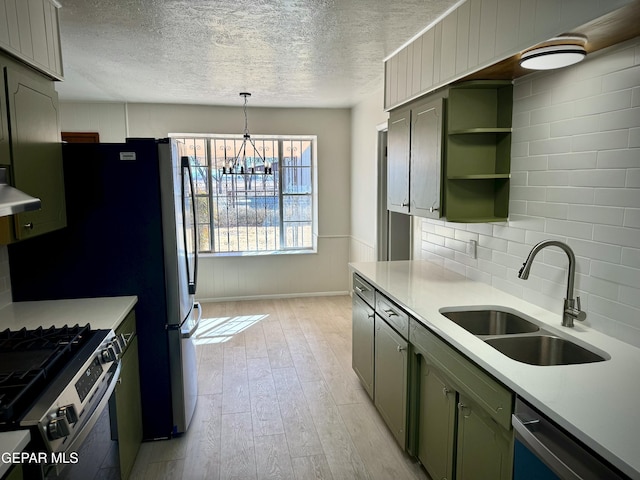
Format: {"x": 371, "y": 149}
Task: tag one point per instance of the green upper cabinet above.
{"x": 35, "y": 162}
{"x": 415, "y": 157}
{"x": 478, "y": 151}
{"x": 398, "y": 155}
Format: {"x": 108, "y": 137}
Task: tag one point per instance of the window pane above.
{"x": 239, "y": 192}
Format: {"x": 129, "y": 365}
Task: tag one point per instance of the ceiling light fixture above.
{"x": 551, "y": 57}
{"x": 243, "y": 164}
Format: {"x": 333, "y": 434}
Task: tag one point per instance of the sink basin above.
{"x": 543, "y": 350}
{"x": 491, "y": 322}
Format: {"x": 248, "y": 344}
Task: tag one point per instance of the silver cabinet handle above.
{"x": 404, "y": 204}
{"x": 433, "y": 209}
{"x": 358, "y": 289}
{"x": 390, "y": 313}
{"x": 446, "y": 391}
{"x": 401, "y": 348}
{"x": 28, "y": 226}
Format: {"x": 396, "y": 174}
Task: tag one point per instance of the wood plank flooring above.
{"x": 278, "y": 400}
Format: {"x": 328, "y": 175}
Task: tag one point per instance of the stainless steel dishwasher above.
{"x": 544, "y": 451}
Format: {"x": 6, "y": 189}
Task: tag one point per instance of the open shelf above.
{"x": 478, "y": 151}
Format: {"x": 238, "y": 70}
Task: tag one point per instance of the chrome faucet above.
{"x": 571, "y": 309}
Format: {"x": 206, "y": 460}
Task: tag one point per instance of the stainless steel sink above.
{"x": 491, "y": 322}
{"x": 543, "y": 350}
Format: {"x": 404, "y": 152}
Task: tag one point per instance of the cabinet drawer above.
{"x": 469, "y": 379}
{"x": 393, "y": 315}
{"x": 364, "y": 290}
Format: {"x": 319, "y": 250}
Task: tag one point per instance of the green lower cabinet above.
{"x": 460, "y": 417}
{"x": 484, "y": 448}
{"x": 362, "y": 342}
{"x": 436, "y": 423}
{"x": 390, "y": 384}
{"x": 129, "y": 409}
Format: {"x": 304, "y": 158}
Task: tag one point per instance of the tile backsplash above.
{"x": 5, "y": 279}
{"x": 575, "y": 177}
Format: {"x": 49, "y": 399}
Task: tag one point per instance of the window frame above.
{"x": 313, "y": 195}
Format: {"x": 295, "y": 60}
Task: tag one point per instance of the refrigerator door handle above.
{"x": 193, "y": 329}
{"x": 191, "y": 276}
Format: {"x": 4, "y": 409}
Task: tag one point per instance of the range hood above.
{"x": 13, "y": 200}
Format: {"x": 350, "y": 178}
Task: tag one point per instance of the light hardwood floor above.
{"x": 278, "y": 400}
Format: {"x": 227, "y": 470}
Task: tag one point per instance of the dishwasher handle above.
{"x": 522, "y": 424}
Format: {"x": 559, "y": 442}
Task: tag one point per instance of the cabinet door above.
{"x": 484, "y": 448}
{"x": 128, "y": 409}
{"x": 362, "y": 342}
{"x": 426, "y": 159}
{"x": 398, "y": 144}
{"x": 36, "y": 151}
{"x": 5, "y": 151}
{"x": 390, "y": 383}
{"x": 436, "y": 422}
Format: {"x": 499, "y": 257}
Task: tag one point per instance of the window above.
{"x": 257, "y": 207}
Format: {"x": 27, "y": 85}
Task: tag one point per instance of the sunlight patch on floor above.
{"x": 222, "y": 329}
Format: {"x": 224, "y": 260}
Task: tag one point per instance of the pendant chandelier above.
{"x": 239, "y": 164}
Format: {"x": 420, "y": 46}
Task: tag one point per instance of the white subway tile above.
{"x": 526, "y": 134}
{"x": 533, "y": 238}
{"x": 630, "y": 296}
{"x": 445, "y": 231}
{"x": 630, "y": 257}
{"x": 550, "y": 146}
{"x": 507, "y": 286}
{"x": 616, "y": 273}
{"x": 600, "y": 141}
{"x": 518, "y": 178}
{"x": 483, "y": 253}
{"x": 598, "y": 286}
{"x": 521, "y": 120}
{"x": 494, "y": 243}
{"x": 465, "y": 236}
{"x": 570, "y": 195}
{"x": 570, "y": 229}
{"x": 517, "y": 207}
{"x": 547, "y": 209}
{"x": 435, "y": 239}
{"x": 576, "y": 90}
{"x": 548, "y": 178}
{"x": 545, "y": 301}
{"x": 634, "y": 137}
{"x": 635, "y": 99}
{"x": 518, "y": 249}
{"x": 506, "y": 260}
{"x": 519, "y": 164}
{"x": 454, "y": 266}
{"x": 508, "y": 233}
{"x": 626, "y": 237}
{"x": 480, "y": 228}
{"x": 632, "y": 218}
{"x": 621, "y": 80}
{"x": 573, "y": 161}
{"x": 528, "y": 193}
{"x": 633, "y": 178}
{"x": 492, "y": 268}
{"x": 464, "y": 259}
{"x": 618, "y": 158}
{"x": 614, "y": 310}
{"x": 455, "y": 245}
{"x": 627, "y": 118}
{"x": 598, "y": 178}
{"x": 526, "y": 222}
{"x": 617, "y": 197}
{"x": 606, "y": 102}
{"x": 596, "y": 214}
{"x": 553, "y": 113}
{"x": 596, "y": 250}
{"x": 575, "y": 126}
{"x": 521, "y": 89}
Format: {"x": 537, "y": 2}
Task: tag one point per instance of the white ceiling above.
{"x": 287, "y": 53}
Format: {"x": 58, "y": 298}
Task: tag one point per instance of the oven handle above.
{"x": 96, "y": 412}
{"x": 531, "y": 441}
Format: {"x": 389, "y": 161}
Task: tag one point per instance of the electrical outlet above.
{"x": 472, "y": 249}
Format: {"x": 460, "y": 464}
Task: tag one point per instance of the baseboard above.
{"x": 273, "y": 296}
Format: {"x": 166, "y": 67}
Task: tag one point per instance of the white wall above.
{"x": 244, "y": 277}
{"x": 365, "y": 118}
{"x": 575, "y": 177}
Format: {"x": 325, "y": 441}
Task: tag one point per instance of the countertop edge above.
{"x": 11, "y": 442}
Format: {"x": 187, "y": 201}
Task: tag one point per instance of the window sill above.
{"x": 269, "y": 253}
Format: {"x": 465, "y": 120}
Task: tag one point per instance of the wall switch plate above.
{"x": 472, "y": 249}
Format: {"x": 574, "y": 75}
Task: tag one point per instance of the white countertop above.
{"x": 100, "y": 313}
{"x": 596, "y": 402}
{"x": 12, "y": 442}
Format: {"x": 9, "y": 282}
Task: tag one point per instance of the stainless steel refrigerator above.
{"x": 131, "y": 231}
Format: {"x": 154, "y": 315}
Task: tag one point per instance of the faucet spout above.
{"x": 571, "y": 309}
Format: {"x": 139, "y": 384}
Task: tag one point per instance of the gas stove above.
{"x": 56, "y": 382}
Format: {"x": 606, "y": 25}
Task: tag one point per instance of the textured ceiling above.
{"x": 288, "y": 53}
